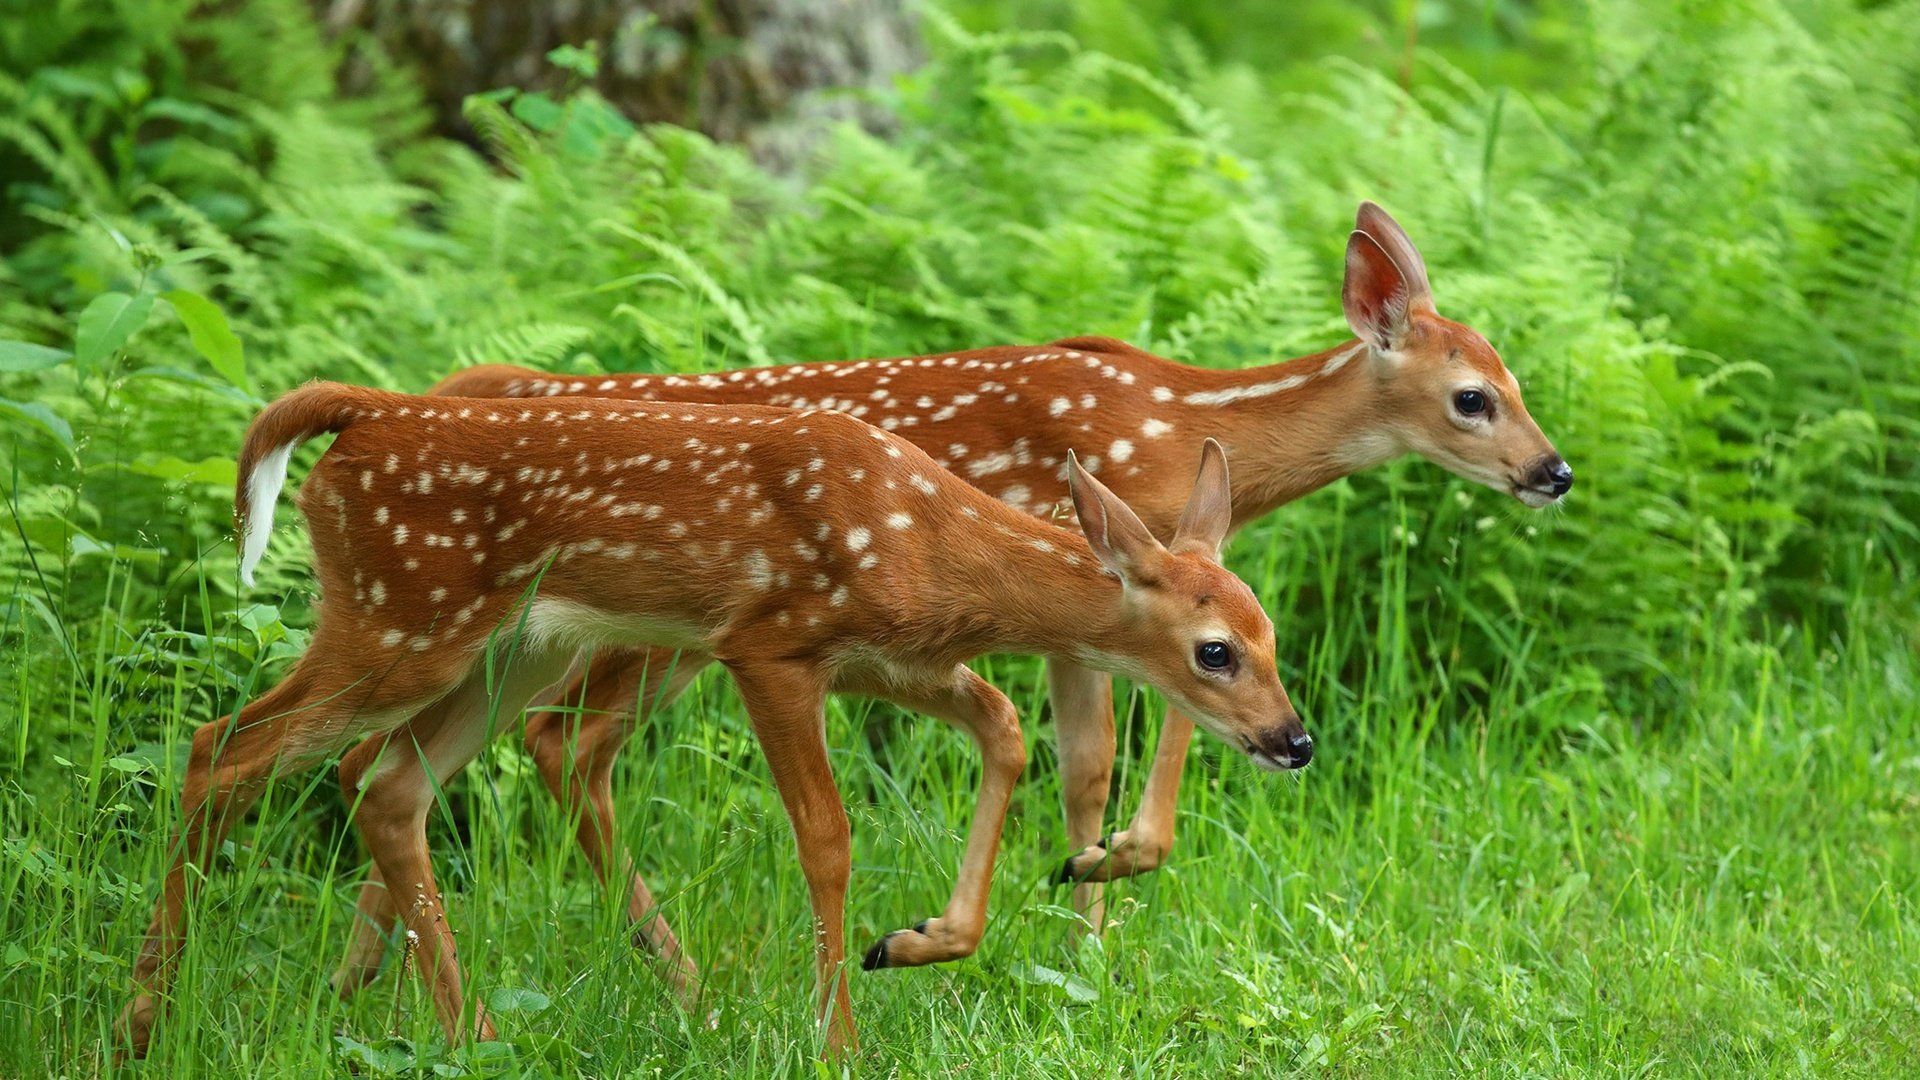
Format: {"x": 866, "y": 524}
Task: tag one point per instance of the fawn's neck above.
{"x": 1292, "y": 428}
{"x": 1035, "y": 589}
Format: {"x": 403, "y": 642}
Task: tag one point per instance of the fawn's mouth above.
{"x": 1269, "y": 762}
{"x": 1534, "y": 497}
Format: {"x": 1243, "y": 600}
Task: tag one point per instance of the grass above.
{"x": 1631, "y": 787}
{"x": 1516, "y": 879}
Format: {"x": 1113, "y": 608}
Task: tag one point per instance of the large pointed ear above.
{"x": 1209, "y": 514}
{"x": 1375, "y": 293}
{"x": 1380, "y": 226}
{"x": 1115, "y": 533}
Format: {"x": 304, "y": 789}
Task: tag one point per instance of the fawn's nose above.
{"x": 1561, "y": 475}
{"x": 1551, "y": 474}
{"x": 1299, "y": 750}
{"x": 1284, "y": 746}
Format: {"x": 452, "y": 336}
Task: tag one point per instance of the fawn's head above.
{"x": 1191, "y": 629}
{"x": 1442, "y": 390}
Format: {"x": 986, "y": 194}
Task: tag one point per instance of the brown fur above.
{"x": 998, "y": 406}
{"x": 468, "y": 549}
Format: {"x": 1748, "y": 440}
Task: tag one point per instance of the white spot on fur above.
{"x": 759, "y": 569}
{"x": 899, "y": 521}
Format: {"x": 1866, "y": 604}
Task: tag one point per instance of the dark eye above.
{"x": 1470, "y": 402}
{"x": 1214, "y": 655}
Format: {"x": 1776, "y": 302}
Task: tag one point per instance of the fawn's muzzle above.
{"x": 1286, "y": 746}
{"x": 1550, "y": 475}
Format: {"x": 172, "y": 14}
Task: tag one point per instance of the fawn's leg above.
{"x": 575, "y": 752}
{"x": 1143, "y": 844}
{"x": 784, "y": 700}
{"x": 973, "y": 705}
{"x": 391, "y": 782}
{"x": 330, "y": 696}
{"x": 1083, "y": 727}
{"x": 374, "y": 916}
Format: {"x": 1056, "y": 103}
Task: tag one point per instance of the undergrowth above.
{"x": 1626, "y": 785}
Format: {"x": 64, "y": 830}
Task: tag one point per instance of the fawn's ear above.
{"x": 1209, "y": 514}
{"x": 1115, "y": 533}
{"x": 1386, "y": 232}
{"x": 1375, "y": 295}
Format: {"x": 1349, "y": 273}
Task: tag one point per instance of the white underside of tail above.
{"x": 256, "y": 517}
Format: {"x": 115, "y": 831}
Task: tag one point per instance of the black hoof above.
{"x": 876, "y": 957}
{"x": 1067, "y": 874}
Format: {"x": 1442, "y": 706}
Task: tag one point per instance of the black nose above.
{"x": 1300, "y": 749}
{"x": 1560, "y": 475}
{"x": 1551, "y": 474}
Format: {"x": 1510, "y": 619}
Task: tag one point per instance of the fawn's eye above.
{"x": 1214, "y": 655}
{"x": 1470, "y": 402}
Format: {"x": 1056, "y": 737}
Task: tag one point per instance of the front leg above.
{"x": 785, "y": 702}
{"x": 1083, "y": 727}
{"x": 973, "y": 705}
{"x": 1142, "y": 845}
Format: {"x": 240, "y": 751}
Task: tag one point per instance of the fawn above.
{"x": 468, "y": 550}
{"x": 1003, "y": 418}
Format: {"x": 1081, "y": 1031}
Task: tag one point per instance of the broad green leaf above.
{"x": 106, "y": 324}
{"x": 258, "y": 617}
{"x": 26, "y": 356}
{"x": 538, "y": 111}
{"x": 1077, "y": 989}
{"x": 506, "y": 999}
{"x": 213, "y": 470}
{"x": 41, "y": 417}
{"x": 212, "y": 337}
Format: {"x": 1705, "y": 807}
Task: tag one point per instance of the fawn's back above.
{"x": 673, "y": 526}
{"x": 1002, "y": 418}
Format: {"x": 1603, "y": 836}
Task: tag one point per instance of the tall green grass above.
{"x": 1519, "y": 888}
{"x": 1626, "y": 787}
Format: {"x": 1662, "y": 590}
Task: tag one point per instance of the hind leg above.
{"x": 332, "y": 694}
{"x": 1082, "y": 702}
{"x": 575, "y": 752}
{"x": 391, "y": 781}
{"x": 575, "y": 748}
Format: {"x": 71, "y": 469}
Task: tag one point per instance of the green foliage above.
{"x": 1693, "y": 231}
